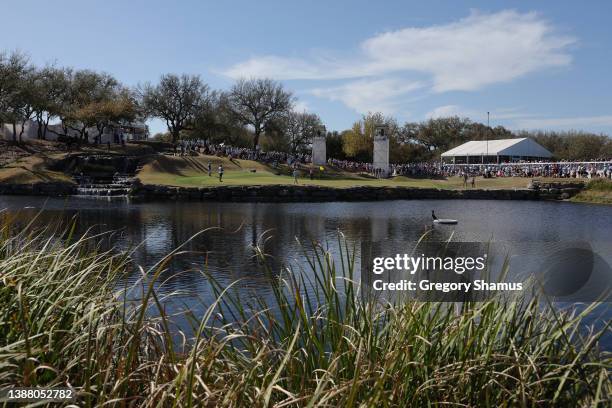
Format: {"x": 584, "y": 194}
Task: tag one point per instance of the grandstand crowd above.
{"x": 186, "y": 147}
{"x": 597, "y": 168}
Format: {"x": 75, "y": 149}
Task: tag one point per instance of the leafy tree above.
{"x": 441, "y": 134}
{"x": 333, "y": 146}
{"x": 356, "y": 146}
{"x": 16, "y": 76}
{"x": 62, "y": 104}
{"x": 177, "y": 100}
{"x": 51, "y": 86}
{"x": 357, "y": 143}
{"x": 89, "y": 93}
{"x": 405, "y": 152}
{"x": 275, "y": 136}
{"x": 12, "y": 68}
{"x": 436, "y": 134}
{"x": 479, "y": 131}
{"x": 572, "y": 145}
{"x": 23, "y": 100}
{"x": 117, "y": 109}
{"x": 255, "y": 102}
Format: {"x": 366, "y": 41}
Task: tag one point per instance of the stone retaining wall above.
{"x": 289, "y": 193}
{"x": 39, "y": 189}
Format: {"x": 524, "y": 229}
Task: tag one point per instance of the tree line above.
{"x": 78, "y": 99}
{"x": 253, "y": 112}
{"x": 81, "y": 100}
{"x": 426, "y": 140}
{"x": 249, "y": 110}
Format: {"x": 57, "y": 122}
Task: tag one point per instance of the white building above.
{"x": 381, "y": 150}
{"x": 496, "y": 151}
{"x": 132, "y": 131}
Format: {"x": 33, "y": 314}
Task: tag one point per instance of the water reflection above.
{"x": 225, "y": 250}
{"x": 235, "y": 227}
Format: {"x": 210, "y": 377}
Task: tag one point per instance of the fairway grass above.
{"x": 192, "y": 172}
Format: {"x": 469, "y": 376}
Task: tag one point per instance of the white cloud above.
{"x": 447, "y": 111}
{"x": 465, "y": 55}
{"x": 301, "y": 106}
{"x": 514, "y": 118}
{"x": 279, "y": 68}
{"x": 369, "y": 95}
{"x": 478, "y": 50}
{"x": 473, "y": 52}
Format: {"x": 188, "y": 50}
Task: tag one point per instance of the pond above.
{"x": 285, "y": 231}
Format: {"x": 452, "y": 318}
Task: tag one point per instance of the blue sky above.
{"x": 533, "y": 65}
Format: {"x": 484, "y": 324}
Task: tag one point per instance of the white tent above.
{"x": 502, "y": 150}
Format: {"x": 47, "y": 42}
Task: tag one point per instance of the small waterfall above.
{"x": 104, "y": 175}
{"x": 117, "y": 186}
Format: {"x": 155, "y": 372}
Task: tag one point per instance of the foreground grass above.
{"x": 192, "y": 172}
{"x": 64, "y": 322}
{"x": 597, "y": 191}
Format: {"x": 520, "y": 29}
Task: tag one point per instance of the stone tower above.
{"x": 381, "y": 150}
{"x": 319, "y": 152}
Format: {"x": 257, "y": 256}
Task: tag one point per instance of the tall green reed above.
{"x": 65, "y": 321}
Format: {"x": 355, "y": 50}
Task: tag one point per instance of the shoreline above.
{"x": 301, "y": 193}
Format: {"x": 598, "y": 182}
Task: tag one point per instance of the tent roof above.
{"x": 501, "y": 147}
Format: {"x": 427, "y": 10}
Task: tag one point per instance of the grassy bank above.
{"x": 192, "y": 172}
{"x": 33, "y": 169}
{"x": 63, "y": 321}
{"x": 597, "y": 192}
{"x": 33, "y": 161}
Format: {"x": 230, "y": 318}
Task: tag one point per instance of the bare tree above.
{"x": 217, "y": 122}
{"x": 300, "y": 128}
{"x": 257, "y": 101}
{"x": 177, "y": 100}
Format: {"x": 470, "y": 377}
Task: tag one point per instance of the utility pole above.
{"x": 488, "y": 127}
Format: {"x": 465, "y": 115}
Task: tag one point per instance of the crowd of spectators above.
{"x": 352, "y": 166}
{"x": 424, "y": 169}
{"x": 601, "y": 168}
{"x": 587, "y": 170}
{"x": 186, "y": 147}
{"x": 564, "y": 169}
